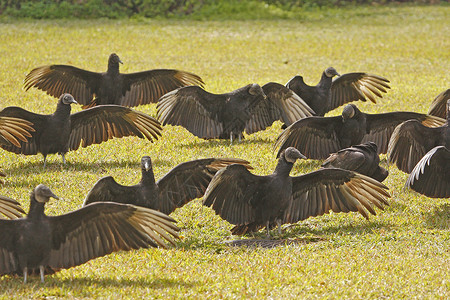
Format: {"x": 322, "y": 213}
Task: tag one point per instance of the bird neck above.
{"x": 36, "y": 208}
{"x": 283, "y": 167}
{"x": 113, "y": 67}
{"x": 325, "y": 81}
{"x": 148, "y": 177}
{"x": 62, "y": 109}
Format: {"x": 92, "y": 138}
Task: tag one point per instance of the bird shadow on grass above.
{"x": 79, "y": 283}
{"x": 439, "y": 217}
{"x": 206, "y": 144}
{"x": 94, "y": 167}
{"x": 301, "y": 234}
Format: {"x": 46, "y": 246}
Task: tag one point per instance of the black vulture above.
{"x": 251, "y": 202}
{"x": 182, "y": 184}
{"x": 61, "y": 131}
{"x": 411, "y": 140}
{"x": 10, "y": 208}
{"x": 318, "y": 137}
{"x": 225, "y": 116}
{"x": 438, "y": 105}
{"x": 361, "y": 158}
{"x": 13, "y": 130}
{"x": 50, "y": 243}
{"x": 329, "y": 94}
{"x": 431, "y": 175}
{"x": 112, "y": 87}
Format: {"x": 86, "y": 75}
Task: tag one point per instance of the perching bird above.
{"x": 329, "y": 94}
{"x": 251, "y": 202}
{"x": 226, "y": 116}
{"x": 111, "y": 87}
{"x": 10, "y": 208}
{"x": 13, "y": 130}
{"x": 51, "y": 243}
{"x": 411, "y": 140}
{"x": 431, "y": 175}
{"x": 182, "y": 184}
{"x": 361, "y": 158}
{"x": 61, "y": 132}
{"x": 318, "y": 137}
{"x": 438, "y": 105}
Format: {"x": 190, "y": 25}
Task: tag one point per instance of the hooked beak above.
{"x": 147, "y": 165}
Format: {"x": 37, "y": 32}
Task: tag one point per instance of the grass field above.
{"x": 402, "y": 252}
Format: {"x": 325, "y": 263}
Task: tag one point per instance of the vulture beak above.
{"x": 147, "y": 165}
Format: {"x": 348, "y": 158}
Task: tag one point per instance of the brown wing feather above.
{"x": 10, "y": 208}
{"x": 101, "y": 228}
{"x": 148, "y": 86}
{"x": 100, "y": 123}
{"x": 56, "y": 80}
{"x": 357, "y": 86}
{"x": 336, "y": 190}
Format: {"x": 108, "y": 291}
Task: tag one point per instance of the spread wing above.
{"x": 428, "y": 176}
{"x": 148, "y": 86}
{"x": 102, "y": 228}
{"x": 314, "y": 137}
{"x": 337, "y": 190}
{"x": 193, "y": 108}
{"x": 438, "y": 105}
{"x": 29, "y": 146}
{"x": 189, "y": 180}
{"x": 101, "y": 123}
{"x": 231, "y": 192}
{"x": 10, "y": 208}
{"x": 410, "y": 141}
{"x": 13, "y": 130}
{"x": 108, "y": 190}
{"x": 381, "y": 126}
{"x": 280, "y": 104}
{"x": 356, "y": 86}
{"x": 56, "y": 80}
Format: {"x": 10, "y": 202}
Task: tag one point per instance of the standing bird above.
{"x": 361, "y": 158}
{"x": 10, "y": 208}
{"x": 438, "y": 105}
{"x": 111, "y": 87}
{"x": 61, "y": 132}
{"x": 318, "y": 137}
{"x": 431, "y": 175}
{"x": 13, "y": 130}
{"x": 329, "y": 94}
{"x": 182, "y": 184}
{"x": 50, "y": 243}
{"x": 411, "y": 141}
{"x": 251, "y": 202}
{"x": 225, "y": 116}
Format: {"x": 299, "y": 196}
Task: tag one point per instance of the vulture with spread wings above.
{"x": 329, "y": 94}
{"x": 45, "y": 244}
{"x": 411, "y": 141}
{"x": 225, "y": 116}
{"x": 251, "y": 202}
{"x": 111, "y": 87}
{"x": 182, "y": 184}
{"x": 61, "y": 131}
{"x": 318, "y": 137}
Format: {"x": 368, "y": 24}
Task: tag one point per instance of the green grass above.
{"x": 402, "y": 252}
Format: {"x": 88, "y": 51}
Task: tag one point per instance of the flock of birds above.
{"x": 116, "y": 217}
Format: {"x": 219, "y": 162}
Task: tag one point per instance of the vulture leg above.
{"x": 45, "y": 160}
{"x": 63, "y": 158}
{"x": 231, "y": 137}
{"x": 25, "y": 274}
{"x": 240, "y": 137}
{"x": 41, "y": 271}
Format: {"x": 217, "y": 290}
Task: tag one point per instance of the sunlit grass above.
{"x": 403, "y": 252}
